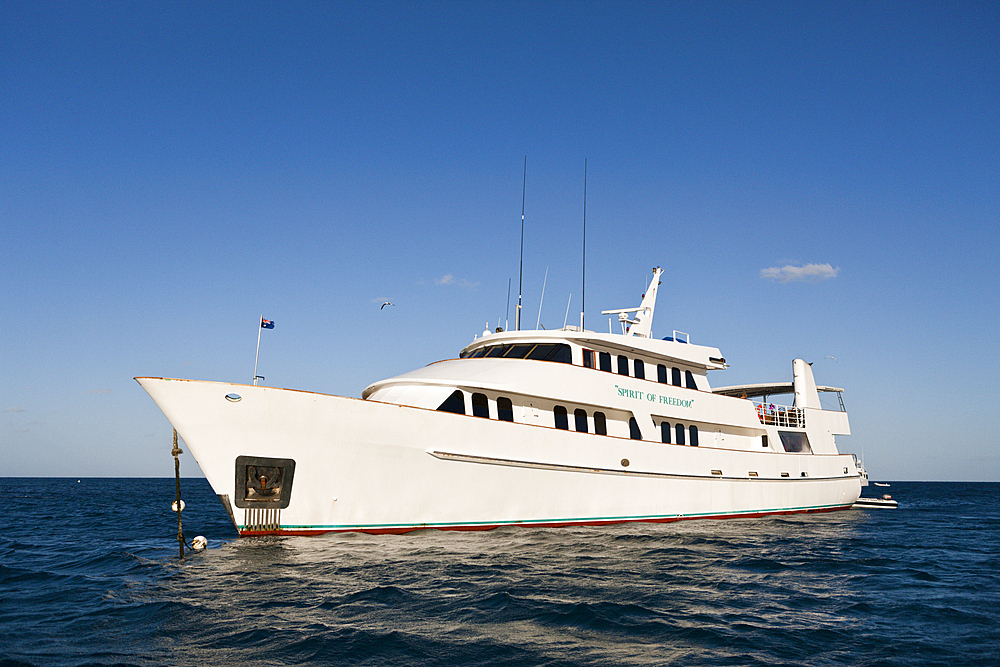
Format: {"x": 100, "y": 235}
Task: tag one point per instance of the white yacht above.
{"x": 525, "y": 428}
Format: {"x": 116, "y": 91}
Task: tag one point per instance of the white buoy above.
{"x": 173, "y": 506}
{"x": 199, "y": 543}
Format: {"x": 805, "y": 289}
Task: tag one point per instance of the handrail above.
{"x": 780, "y": 415}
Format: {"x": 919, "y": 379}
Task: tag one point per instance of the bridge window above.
{"x": 505, "y": 410}
{"x": 633, "y": 429}
{"x": 480, "y": 406}
{"x": 679, "y": 432}
{"x": 665, "y": 432}
{"x": 640, "y": 369}
{"x": 693, "y": 431}
{"x": 562, "y": 420}
{"x": 518, "y": 351}
{"x": 588, "y": 359}
{"x": 454, "y": 403}
{"x": 581, "y": 420}
{"x": 797, "y": 443}
{"x": 661, "y": 374}
{"x": 622, "y": 365}
{"x": 605, "y": 358}
{"x": 551, "y": 352}
{"x": 675, "y": 375}
{"x": 689, "y": 380}
{"x": 600, "y": 423}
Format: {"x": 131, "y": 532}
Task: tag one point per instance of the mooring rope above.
{"x": 177, "y": 502}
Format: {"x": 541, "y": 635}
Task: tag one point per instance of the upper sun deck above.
{"x": 635, "y": 340}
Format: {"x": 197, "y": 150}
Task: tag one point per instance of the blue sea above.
{"x": 90, "y": 574}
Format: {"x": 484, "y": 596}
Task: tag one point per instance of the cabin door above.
{"x": 529, "y": 414}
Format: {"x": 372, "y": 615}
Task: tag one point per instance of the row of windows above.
{"x": 505, "y": 412}
{"x": 669, "y": 434}
{"x": 480, "y": 406}
{"x": 559, "y": 352}
{"x": 638, "y": 369}
{"x": 580, "y": 419}
{"x": 678, "y": 431}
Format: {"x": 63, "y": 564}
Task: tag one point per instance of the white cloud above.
{"x": 449, "y": 279}
{"x": 14, "y": 408}
{"x": 792, "y": 274}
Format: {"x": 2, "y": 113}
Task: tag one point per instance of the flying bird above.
{"x": 834, "y": 358}
{"x": 387, "y": 303}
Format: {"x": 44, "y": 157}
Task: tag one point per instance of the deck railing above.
{"x": 781, "y": 415}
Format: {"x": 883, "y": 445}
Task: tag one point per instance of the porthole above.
{"x": 234, "y": 398}
{"x": 624, "y": 463}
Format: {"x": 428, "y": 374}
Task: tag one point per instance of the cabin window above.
{"x": 661, "y": 373}
{"x": 693, "y": 432}
{"x": 633, "y": 429}
{"x": 600, "y": 423}
{"x": 640, "y": 369}
{"x": 480, "y": 406}
{"x": 797, "y": 443}
{"x": 679, "y": 432}
{"x": 665, "y": 432}
{"x": 622, "y": 365}
{"x": 763, "y": 441}
{"x": 505, "y": 410}
{"x": 562, "y": 355}
{"x": 562, "y": 420}
{"x": 675, "y": 376}
{"x": 535, "y": 351}
{"x": 588, "y": 359}
{"x": 689, "y": 380}
{"x": 496, "y": 351}
{"x": 553, "y": 352}
{"x": 518, "y": 351}
{"x": 454, "y": 403}
{"x": 605, "y": 358}
{"x": 581, "y": 420}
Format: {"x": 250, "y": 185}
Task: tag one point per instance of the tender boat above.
{"x": 524, "y": 428}
{"x": 885, "y": 502}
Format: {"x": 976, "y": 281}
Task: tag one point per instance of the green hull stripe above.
{"x": 611, "y": 519}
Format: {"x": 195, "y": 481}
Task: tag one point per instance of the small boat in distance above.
{"x": 525, "y": 428}
{"x": 878, "y": 484}
{"x": 885, "y": 502}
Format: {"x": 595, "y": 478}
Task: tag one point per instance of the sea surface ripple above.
{"x": 90, "y": 575}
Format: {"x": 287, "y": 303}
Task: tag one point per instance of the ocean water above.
{"x": 90, "y": 575}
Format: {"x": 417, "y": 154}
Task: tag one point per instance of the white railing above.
{"x": 781, "y": 415}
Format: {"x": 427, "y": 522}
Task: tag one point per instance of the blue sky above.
{"x": 172, "y": 171}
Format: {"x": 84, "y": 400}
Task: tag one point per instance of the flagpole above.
{"x": 260, "y": 325}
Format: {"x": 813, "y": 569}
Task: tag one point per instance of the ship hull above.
{"x": 363, "y": 465}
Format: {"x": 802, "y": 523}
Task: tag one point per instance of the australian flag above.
{"x": 266, "y": 324}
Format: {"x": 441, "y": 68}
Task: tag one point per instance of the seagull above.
{"x": 387, "y": 303}
{"x": 834, "y": 358}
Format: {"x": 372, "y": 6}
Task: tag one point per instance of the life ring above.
{"x": 760, "y": 412}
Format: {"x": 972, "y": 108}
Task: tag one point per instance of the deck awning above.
{"x": 765, "y": 389}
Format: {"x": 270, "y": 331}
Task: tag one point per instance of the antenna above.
{"x": 568, "y": 301}
{"x": 583, "y": 297}
{"x": 544, "y": 280}
{"x": 506, "y": 313}
{"x": 520, "y": 273}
